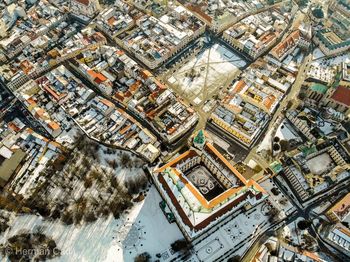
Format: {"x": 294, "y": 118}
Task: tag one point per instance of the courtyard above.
{"x": 320, "y": 164}
{"x": 206, "y": 74}
{"x": 202, "y": 179}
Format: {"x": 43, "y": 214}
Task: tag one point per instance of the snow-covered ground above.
{"x": 214, "y": 67}
{"x": 69, "y": 137}
{"x": 325, "y": 126}
{"x": 317, "y": 53}
{"x": 236, "y": 235}
{"x": 331, "y": 61}
{"x": 320, "y": 163}
{"x": 143, "y": 229}
{"x": 266, "y": 142}
{"x": 286, "y": 132}
{"x": 281, "y": 201}
{"x": 150, "y": 232}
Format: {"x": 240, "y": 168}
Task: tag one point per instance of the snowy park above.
{"x": 107, "y": 239}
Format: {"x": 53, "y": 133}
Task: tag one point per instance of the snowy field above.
{"x": 144, "y": 228}
{"x": 141, "y": 228}
{"x": 200, "y": 78}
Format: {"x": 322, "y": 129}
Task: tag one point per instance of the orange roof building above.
{"x": 285, "y": 47}
{"x": 53, "y": 125}
{"x": 201, "y": 186}
{"x": 97, "y": 77}
{"x": 340, "y": 210}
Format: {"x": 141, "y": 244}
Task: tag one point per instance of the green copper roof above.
{"x": 199, "y": 138}
{"x": 308, "y": 150}
{"x": 276, "y": 167}
{"x": 328, "y": 43}
{"x": 319, "y": 88}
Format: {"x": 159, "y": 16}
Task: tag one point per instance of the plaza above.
{"x": 206, "y": 74}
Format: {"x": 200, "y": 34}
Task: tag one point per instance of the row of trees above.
{"x": 30, "y": 247}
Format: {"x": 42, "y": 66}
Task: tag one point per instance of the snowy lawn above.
{"x": 99, "y": 241}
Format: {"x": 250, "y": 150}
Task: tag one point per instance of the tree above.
{"x": 125, "y": 160}
{"x": 318, "y": 13}
{"x": 301, "y": 96}
{"x": 114, "y": 182}
{"x": 284, "y": 145}
{"x": 113, "y": 164}
{"x": 276, "y": 147}
{"x": 235, "y": 258}
{"x": 134, "y": 185}
{"x": 144, "y": 257}
{"x": 275, "y": 191}
{"x": 55, "y": 213}
{"x": 78, "y": 216}
{"x": 29, "y": 247}
{"x": 90, "y": 217}
{"x": 273, "y": 215}
{"x": 67, "y": 218}
{"x": 276, "y": 139}
{"x": 303, "y": 3}
{"x": 181, "y": 245}
{"x": 87, "y": 182}
{"x": 304, "y": 224}
{"x": 289, "y": 104}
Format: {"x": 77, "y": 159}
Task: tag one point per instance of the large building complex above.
{"x": 202, "y": 187}
{"x": 175, "y": 131}
{"x": 154, "y": 40}
{"x": 255, "y": 34}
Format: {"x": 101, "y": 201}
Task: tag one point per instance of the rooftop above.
{"x": 342, "y": 208}
{"x": 342, "y": 95}
{"x": 205, "y": 183}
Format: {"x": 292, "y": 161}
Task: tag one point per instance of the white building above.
{"x": 3, "y": 29}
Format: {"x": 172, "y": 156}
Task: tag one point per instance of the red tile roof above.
{"x": 53, "y": 125}
{"x": 342, "y": 95}
{"x": 84, "y": 2}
